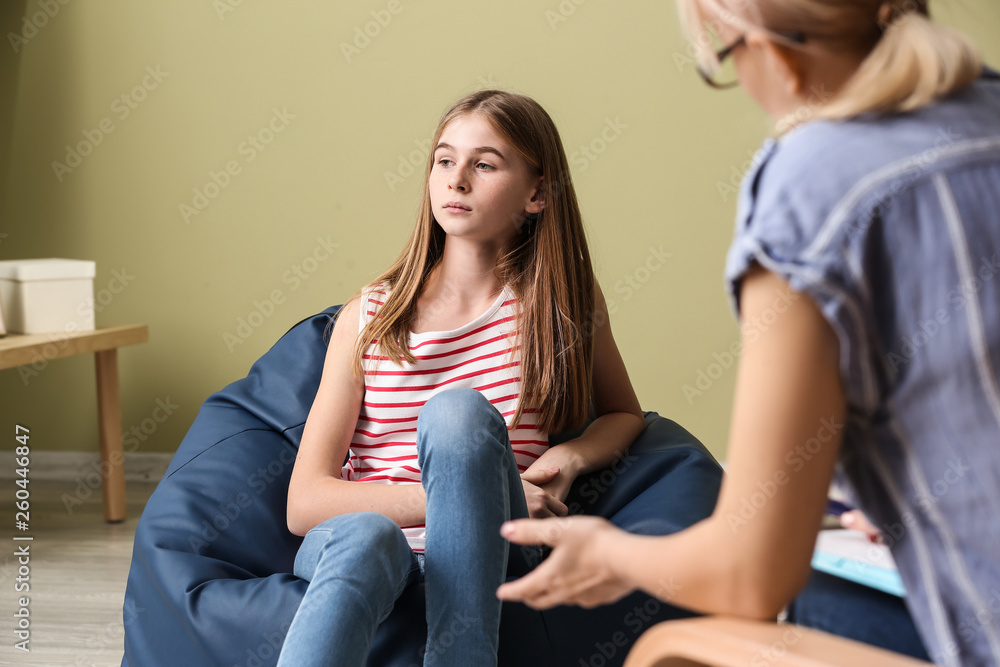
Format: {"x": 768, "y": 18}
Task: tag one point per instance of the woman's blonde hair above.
{"x": 909, "y": 60}
{"x": 546, "y": 263}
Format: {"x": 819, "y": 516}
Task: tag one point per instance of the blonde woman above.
{"x": 864, "y": 270}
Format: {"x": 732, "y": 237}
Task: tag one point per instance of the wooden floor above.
{"x": 79, "y": 565}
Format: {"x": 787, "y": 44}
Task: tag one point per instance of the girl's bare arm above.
{"x": 316, "y": 492}
{"x": 619, "y": 418}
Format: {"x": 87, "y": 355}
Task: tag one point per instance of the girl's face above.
{"x": 480, "y": 187}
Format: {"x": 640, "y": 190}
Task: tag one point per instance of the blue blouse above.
{"x": 892, "y": 226}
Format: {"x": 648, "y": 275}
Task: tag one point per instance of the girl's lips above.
{"x": 456, "y": 208}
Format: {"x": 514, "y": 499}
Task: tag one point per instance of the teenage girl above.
{"x": 866, "y": 276}
{"x": 441, "y": 382}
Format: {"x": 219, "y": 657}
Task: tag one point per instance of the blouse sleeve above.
{"x": 790, "y": 222}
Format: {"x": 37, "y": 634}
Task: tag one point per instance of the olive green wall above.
{"x": 169, "y": 93}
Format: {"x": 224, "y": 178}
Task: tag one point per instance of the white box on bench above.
{"x": 47, "y": 295}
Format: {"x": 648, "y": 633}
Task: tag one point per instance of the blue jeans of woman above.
{"x": 857, "y": 612}
{"x": 358, "y": 564}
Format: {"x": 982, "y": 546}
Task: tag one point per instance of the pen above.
{"x": 836, "y": 507}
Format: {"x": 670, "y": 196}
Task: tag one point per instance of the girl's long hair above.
{"x": 909, "y": 60}
{"x": 547, "y": 264}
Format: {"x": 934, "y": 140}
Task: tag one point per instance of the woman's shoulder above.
{"x": 826, "y": 177}
{"x": 837, "y": 157}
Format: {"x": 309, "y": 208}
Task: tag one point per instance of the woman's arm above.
{"x": 753, "y": 554}
{"x": 316, "y": 492}
{"x": 618, "y": 423}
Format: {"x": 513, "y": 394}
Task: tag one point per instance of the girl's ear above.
{"x": 537, "y": 201}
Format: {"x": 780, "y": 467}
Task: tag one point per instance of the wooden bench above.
{"x": 27, "y": 349}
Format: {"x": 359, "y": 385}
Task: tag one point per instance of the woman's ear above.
{"x": 782, "y": 61}
{"x": 537, "y": 201}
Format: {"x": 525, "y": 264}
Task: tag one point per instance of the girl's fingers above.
{"x": 540, "y": 511}
{"x": 538, "y": 476}
{"x": 541, "y": 503}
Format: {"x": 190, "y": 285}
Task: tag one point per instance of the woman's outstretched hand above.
{"x": 580, "y": 570}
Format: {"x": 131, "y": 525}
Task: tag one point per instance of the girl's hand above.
{"x": 554, "y": 471}
{"x": 579, "y": 570}
{"x": 541, "y": 503}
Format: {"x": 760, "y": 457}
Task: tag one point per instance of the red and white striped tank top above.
{"x": 476, "y": 355}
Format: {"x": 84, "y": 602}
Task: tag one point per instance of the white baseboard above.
{"x": 71, "y": 466}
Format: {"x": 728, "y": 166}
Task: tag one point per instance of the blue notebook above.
{"x": 849, "y": 555}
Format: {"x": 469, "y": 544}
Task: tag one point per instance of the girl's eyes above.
{"x": 448, "y": 162}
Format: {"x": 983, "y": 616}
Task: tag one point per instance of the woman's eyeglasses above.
{"x": 723, "y": 74}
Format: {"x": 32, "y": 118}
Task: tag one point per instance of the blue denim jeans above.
{"x": 358, "y": 564}
{"x": 857, "y": 612}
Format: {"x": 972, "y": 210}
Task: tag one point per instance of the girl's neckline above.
{"x": 504, "y": 295}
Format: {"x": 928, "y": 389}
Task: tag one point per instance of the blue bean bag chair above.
{"x": 210, "y": 582}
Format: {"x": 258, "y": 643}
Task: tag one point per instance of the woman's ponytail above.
{"x": 908, "y": 60}
{"x": 915, "y": 62}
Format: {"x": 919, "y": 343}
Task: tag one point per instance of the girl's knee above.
{"x": 366, "y": 551}
{"x": 373, "y": 528}
{"x": 362, "y": 530}
{"x": 456, "y": 404}
{"x": 454, "y": 415}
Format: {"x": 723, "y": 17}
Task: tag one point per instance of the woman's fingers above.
{"x": 601, "y": 595}
{"x": 553, "y": 583}
{"x": 533, "y": 589}
{"x": 856, "y": 520}
{"x": 534, "y": 531}
{"x": 575, "y": 573}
